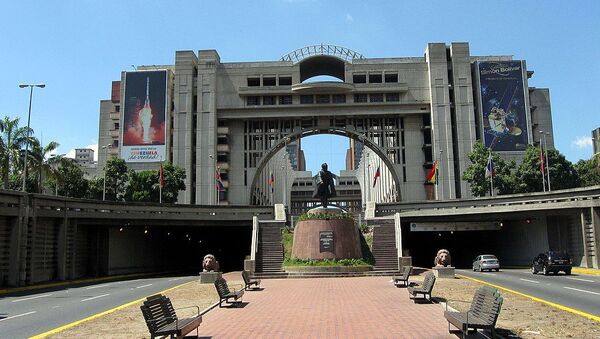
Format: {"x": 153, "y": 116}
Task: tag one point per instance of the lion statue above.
{"x": 210, "y": 264}
{"x": 442, "y": 258}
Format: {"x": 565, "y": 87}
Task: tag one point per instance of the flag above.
{"x": 377, "y": 175}
{"x": 219, "y": 183}
{"x": 490, "y": 170}
{"x": 271, "y": 181}
{"x": 432, "y": 175}
{"x": 161, "y": 176}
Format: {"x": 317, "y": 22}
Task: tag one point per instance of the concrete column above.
{"x": 587, "y": 260}
{"x": 73, "y": 254}
{"x": 14, "y": 268}
{"x": 62, "y": 249}
{"x": 595, "y": 212}
{"x": 33, "y": 243}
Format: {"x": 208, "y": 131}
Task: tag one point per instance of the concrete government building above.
{"x": 243, "y": 121}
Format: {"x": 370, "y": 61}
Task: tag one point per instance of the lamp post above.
{"x": 544, "y": 134}
{"x": 31, "y": 86}
{"x": 216, "y": 199}
{"x": 284, "y": 169}
{"x": 438, "y": 179}
{"x": 106, "y": 147}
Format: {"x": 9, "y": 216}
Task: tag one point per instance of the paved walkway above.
{"x": 365, "y": 307}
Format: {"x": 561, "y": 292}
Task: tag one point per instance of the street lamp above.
{"x": 547, "y": 164}
{"x": 107, "y": 146}
{"x": 31, "y": 86}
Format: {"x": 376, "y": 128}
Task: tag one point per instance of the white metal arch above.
{"x": 343, "y": 53}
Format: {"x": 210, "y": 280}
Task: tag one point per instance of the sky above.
{"x": 77, "y": 47}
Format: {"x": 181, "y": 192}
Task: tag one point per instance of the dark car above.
{"x": 552, "y": 261}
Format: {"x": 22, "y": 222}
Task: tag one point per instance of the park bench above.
{"x": 249, "y": 281}
{"x": 424, "y": 289}
{"x": 225, "y": 293}
{"x": 162, "y": 321}
{"x": 403, "y": 278}
{"x": 482, "y": 314}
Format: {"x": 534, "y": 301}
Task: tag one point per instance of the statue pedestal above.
{"x": 326, "y": 239}
{"x": 209, "y": 277}
{"x": 444, "y": 272}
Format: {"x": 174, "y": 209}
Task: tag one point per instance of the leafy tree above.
{"x": 68, "y": 180}
{"x": 144, "y": 185}
{"x": 116, "y": 179}
{"x": 588, "y": 171}
{"x": 475, "y": 172}
{"x": 95, "y": 187}
{"x": 12, "y": 140}
{"x": 39, "y": 167}
{"x": 529, "y": 176}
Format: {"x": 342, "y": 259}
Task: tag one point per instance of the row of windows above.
{"x": 321, "y": 99}
{"x": 374, "y": 78}
{"x": 269, "y": 80}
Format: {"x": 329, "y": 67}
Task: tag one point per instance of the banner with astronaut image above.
{"x": 144, "y": 116}
{"x": 503, "y": 107}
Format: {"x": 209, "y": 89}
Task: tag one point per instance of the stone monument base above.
{"x": 403, "y": 262}
{"x": 209, "y": 277}
{"x": 444, "y": 272}
{"x": 249, "y": 265}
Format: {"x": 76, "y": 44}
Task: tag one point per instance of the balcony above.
{"x": 223, "y": 130}
{"x": 222, "y": 148}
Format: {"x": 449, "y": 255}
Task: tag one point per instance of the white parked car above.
{"x": 486, "y": 262}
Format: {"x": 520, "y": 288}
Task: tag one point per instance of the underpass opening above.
{"x": 156, "y": 249}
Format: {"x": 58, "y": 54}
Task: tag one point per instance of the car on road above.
{"x": 486, "y": 262}
{"x": 552, "y": 262}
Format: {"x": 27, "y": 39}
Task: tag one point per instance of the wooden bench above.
{"x": 403, "y": 278}
{"x": 424, "y": 289}
{"x": 482, "y": 314}
{"x": 248, "y": 281}
{"x": 225, "y": 293}
{"x": 162, "y": 321}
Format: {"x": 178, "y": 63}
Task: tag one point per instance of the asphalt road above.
{"x": 580, "y": 292}
{"x": 35, "y": 312}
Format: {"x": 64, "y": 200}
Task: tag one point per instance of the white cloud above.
{"x": 349, "y": 18}
{"x": 71, "y": 153}
{"x": 582, "y": 142}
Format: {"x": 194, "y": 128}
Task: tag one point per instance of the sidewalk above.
{"x": 365, "y": 307}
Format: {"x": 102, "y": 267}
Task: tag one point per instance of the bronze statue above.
{"x": 442, "y": 259}
{"x": 325, "y": 187}
{"x": 210, "y": 264}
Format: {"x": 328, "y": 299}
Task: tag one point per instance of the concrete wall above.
{"x": 131, "y": 252}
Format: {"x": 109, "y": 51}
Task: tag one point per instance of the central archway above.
{"x": 324, "y": 130}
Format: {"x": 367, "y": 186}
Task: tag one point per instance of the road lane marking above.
{"x": 144, "y": 286}
{"x": 176, "y": 279}
{"x": 30, "y": 298}
{"x": 576, "y": 289}
{"x": 531, "y": 281}
{"x": 488, "y": 273}
{"x": 18, "y": 315}
{"x": 579, "y": 279}
{"x": 75, "y": 323}
{"x": 561, "y": 307}
{"x": 96, "y": 297}
{"x": 92, "y": 287}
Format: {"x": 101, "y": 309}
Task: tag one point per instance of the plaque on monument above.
{"x": 326, "y": 241}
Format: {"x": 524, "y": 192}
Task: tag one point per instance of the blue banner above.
{"x": 504, "y": 114}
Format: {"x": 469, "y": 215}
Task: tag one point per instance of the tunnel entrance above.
{"x": 146, "y": 249}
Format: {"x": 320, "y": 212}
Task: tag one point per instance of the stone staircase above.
{"x": 269, "y": 259}
{"x": 384, "y": 248}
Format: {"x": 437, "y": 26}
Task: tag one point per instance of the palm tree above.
{"x": 39, "y": 162}
{"x": 12, "y": 140}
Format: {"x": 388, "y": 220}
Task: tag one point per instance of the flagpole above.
{"x": 491, "y": 172}
{"x": 542, "y": 166}
{"x": 437, "y": 178}
{"x": 161, "y": 171}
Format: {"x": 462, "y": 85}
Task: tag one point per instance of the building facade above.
{"x": 239, "y": 120}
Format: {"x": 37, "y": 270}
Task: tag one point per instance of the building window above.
{"x": 392, "y": 97}
{"x": 359, "y": 78}
{"x": 285, "y": 80}
{"x": 115, "y": 143}
{"x": 285, "y": 100}
{"x": 376, "y": 97}
{"x": 253, "y": 101}
{"x": 338, "y": 98}
{"x": 117, "y": 108}
{"x": 375, "y": 78}
{"x": 253, "y": 82}
{"x": 360, "y": 98}
{"x": 391, "y": 77}
{"x": 323, "y": 99}
{"x": 116, "y": 125}
{"x": 269, "y": 81}
{"x": 269, "y": 100}
{"x": 307, "y": 99}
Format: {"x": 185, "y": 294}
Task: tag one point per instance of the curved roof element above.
{"x": 322, "y": 49}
